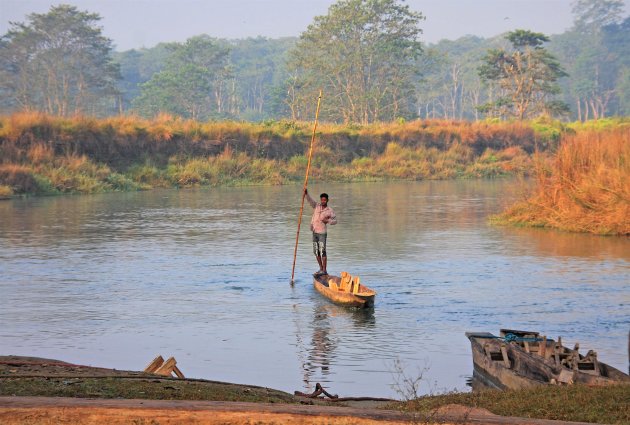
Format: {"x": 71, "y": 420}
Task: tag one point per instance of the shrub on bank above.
{"x": 5, "y": 191}
{"x": 69, "y": 174}
{"x": 18, "y": 178}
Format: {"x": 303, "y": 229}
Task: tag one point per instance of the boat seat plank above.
{"x": 332, "y": 285}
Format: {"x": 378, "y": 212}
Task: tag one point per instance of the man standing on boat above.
{"x": 322, "y": 215}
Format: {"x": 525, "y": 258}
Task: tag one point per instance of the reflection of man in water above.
{"x": 322, "y": 215}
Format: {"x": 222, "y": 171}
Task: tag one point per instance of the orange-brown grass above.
{"x": 18, "y": 178}
{"x": 40, "y": 154}
{"x": 131, "y": 139}
{"x": 5, "y": 191}
{"x": 584, "y": 188}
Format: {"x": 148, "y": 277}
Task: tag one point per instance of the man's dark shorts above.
{"x": 319, "y": 244}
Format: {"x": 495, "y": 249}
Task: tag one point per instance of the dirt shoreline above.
{"x": 49, "y": 410}
{"x": 46, "y": 391}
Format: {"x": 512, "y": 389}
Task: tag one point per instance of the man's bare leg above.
{"x": 319, "y": 261}
{"x": 323, "y": 264}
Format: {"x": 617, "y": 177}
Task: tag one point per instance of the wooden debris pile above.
{"x": 164, "y": 368}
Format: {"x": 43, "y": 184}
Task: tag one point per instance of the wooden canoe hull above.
{"x": 494, "y": 374}
{"x": 343, "y": 298}
{"x": 507, "y": 365}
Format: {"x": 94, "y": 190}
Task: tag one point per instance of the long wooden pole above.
{"x": 308, "y": 168}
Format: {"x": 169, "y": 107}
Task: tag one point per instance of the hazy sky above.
{"x": 144, "y": 23}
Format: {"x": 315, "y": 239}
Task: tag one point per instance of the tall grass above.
{"x": 123, "y": 140}
{"x": 44, "y": 154}
{"x": 584, "y": 187}
{"x": 44, "y": 172}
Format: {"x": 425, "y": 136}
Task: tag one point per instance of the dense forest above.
{"x": 367, "y": 56}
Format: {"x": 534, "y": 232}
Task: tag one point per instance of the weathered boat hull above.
{"x": 343, "y": 298}
{"x": 504, "y": 364}
{"x": 493, "y": 372}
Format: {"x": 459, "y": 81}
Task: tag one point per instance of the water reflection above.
{"x": 478, "y": 383}
{"x": 326, "y": 334}
{"x": 322, "y": 345}
{"x": 550, "y": 243}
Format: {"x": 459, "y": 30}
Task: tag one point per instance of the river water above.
{"x": 203, "y": 275}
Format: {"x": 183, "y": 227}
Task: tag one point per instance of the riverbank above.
{"x": 27, "y": 376}
{"x": 35, "y": 387}
{"x": 45, "y": 410}
{"x": 47, "y": 155}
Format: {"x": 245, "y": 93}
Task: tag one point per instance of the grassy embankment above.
{"x": 32, "y": 376}
{"x": 609, "y": 405}
{"x": 152, "y": 388}
{"x": 43, "y": 154}
{"x": 29, "y": 376}
{"x": 584, "y": 187}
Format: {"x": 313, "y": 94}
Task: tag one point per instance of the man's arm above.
{"x": 332, "y": 219}
{"x": 310, "y": 200}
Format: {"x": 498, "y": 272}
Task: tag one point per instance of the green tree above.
{"x": 524, "y": 77}
{"x": 592, "y": 15}
{"x": 137, "y": 66}
{"x": 193, "y": 83}
{"x": 450, "y": 86}
{"x": 363, "y": 55}
{"x": 595, "y": 69}
{"x": 431, "y": 86}
{"x": 58, "y": 62}
{"x": 615, "y": 38}
{"x": 183, "y": 92}
{"x": 259, "y": 67}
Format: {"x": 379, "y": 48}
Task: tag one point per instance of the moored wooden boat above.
{"x": 522, "y": 359}
{"x": 345, "y": 290}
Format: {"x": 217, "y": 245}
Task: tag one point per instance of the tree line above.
{"x": 366, "y": 55}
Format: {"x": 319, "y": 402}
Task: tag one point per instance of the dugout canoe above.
{"x": 363, "y": 298}
{"x": 523, "y": 359}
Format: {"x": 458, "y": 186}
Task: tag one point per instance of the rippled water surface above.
{"x": 203, "y": 275}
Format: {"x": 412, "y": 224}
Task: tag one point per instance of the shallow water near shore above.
{"x": 113, "y": 280}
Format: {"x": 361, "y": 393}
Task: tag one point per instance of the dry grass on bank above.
{"x": 584, "y": 188}
{"x": 46, "y": 155}
{"x": 5, "y": 191}
{"x": 130, "y": 139}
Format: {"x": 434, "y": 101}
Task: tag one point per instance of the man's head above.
{"x": 323, "y": 199}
